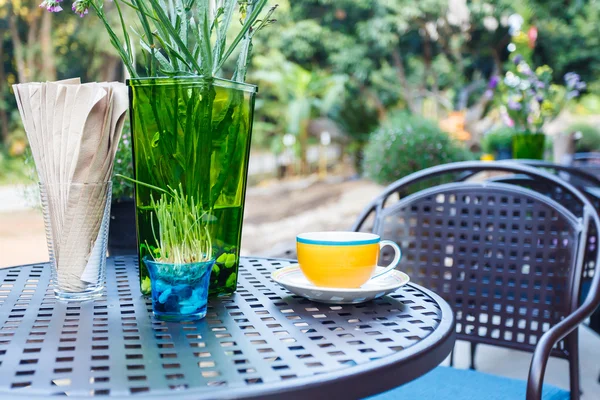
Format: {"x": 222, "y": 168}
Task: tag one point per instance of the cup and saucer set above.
{"x": 341, "y": 268}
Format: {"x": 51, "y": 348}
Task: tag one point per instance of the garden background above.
{"x": 353, "y": 94}
{"x": 391, "y": 86}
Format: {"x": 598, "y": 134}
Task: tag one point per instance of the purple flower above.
{"x": 514, "y": 105}
{"x": 81, "y": 7}
{"x": 51, "y": 5}
{"x": 518, "y": 58}
{"x": 571, "y": 78}
{"x": 488, "y": 94}
{"x": 539, "y": 98}
{"x": 494, "y": 80}
{"x": 572, "y": 94}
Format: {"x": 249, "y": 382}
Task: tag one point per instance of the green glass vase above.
{"x": 529, "y": 146}
{"x": 195, "y": 132}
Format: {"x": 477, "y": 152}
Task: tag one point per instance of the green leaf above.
{"x": 248, "y": 23}
{"x": 138, "y": 9}
{"x": 222, "y": 258}
{"x": 162, "y": 60}
{"x": 155, "y": 139}
{"x": 124, "y": 28}
{"x": 115, "y": 41}
{"x": 156, "y": 7}
{"x": 228, "y": 10}
{"x": 204, "y": 38}
{"x": 173, "y": 54}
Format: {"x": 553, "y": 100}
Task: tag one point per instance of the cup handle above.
{"x": 395, "y": 261}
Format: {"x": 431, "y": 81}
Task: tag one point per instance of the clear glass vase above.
{"x": 195, "y": 132}
{"x": 179, "y": 291}
{"x": 76, "y": 218}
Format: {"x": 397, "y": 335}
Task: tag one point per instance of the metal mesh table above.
{"x": 259, "y": 343}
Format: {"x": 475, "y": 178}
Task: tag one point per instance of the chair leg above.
{"x": 452, "y": 358}
{"x": 473, "y": 351}
{"x": 572, "y": 344}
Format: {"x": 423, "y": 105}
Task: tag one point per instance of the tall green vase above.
{"x": 195, "y": 132}
{"x": 529, "y": 146}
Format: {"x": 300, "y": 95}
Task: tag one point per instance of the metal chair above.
{"x": 589, "y": 162}
{"x": 587, "y": 184}
{"x": 508, "y": 259}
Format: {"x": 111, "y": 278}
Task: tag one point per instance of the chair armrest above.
{"x": 539, "y": 361}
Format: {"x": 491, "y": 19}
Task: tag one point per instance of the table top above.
{"x": 261, "y": 342}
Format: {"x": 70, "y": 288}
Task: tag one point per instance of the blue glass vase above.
{"x": 179, "y": 291}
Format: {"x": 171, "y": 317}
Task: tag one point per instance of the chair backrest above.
{"x": 462, "y": 171}
{"x": 570, "y": 202}
{"x": 586, "y": 183}
{"x": 577, "y": 177}
{"x": 588, "y": 162}
{"x": 507, "y": 258}
{"x": 504, "y": 257}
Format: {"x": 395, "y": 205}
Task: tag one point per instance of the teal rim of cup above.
{"x": 338, "y": 243}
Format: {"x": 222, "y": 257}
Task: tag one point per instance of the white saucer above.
{"x": 293, "y": 279}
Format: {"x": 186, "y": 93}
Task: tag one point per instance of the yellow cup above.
{"x": 342, "y": 259}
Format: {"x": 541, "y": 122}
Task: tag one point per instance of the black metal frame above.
{"x": 568, "y": 326}
{"x": 589, "y": 162}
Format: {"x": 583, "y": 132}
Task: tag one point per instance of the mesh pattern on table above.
{"x": 114, "y": 347}
{"x": 501, "y": 258}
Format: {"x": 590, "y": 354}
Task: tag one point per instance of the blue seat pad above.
{"x": 460, "y": 384}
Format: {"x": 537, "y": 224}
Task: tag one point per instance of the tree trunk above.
{"x": 111, "y": 69}
{"x": 45, "y": 40}
{"x": 381, "y": 111}
{"x": 19, "y": 53}
{"x": 3, "y": 114}
{"x": 303, "y": 140}
{"x": 428, "y": 57}
{"x": 401, "y": 74}
{"x": 32, "y": 36}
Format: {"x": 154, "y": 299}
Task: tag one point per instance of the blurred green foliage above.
{"x": 354, "y": 61}
{"x": 497, "y": 140}
{"x": 406, "y": 144}
{"x": 589, "y": 137}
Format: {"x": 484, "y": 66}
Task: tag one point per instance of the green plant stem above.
{"x": 205, "y": 151}
{"x": 114, "y": 39}
{"x": 228, "y": 155}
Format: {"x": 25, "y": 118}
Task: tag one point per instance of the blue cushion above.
{"x": 460, "y": 384}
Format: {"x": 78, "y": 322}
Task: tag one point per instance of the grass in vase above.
{"x": 181, "y": 259}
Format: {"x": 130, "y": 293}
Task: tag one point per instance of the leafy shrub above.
{"x": 589, "y": 140}
{"x": 406, "y": 144}
{"x": 15, "y": 169}
{"x": 499, "y": 139}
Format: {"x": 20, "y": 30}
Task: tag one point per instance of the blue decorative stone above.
{"x": 179, "y": 291}
{"x": 162, "y": 297}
